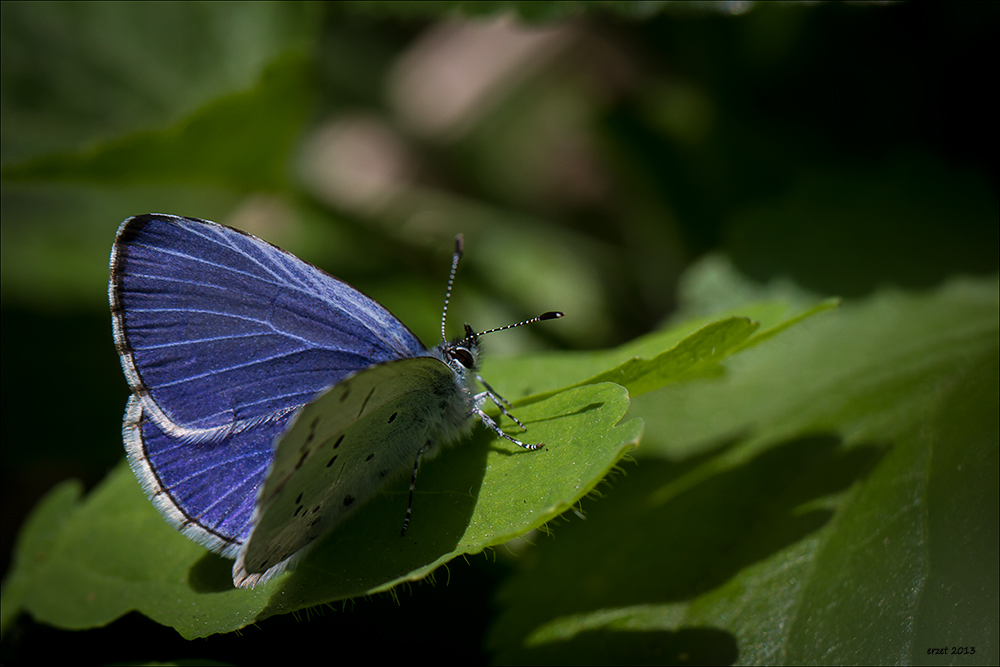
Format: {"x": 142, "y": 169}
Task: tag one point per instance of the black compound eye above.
{"x": 464, "y": 357}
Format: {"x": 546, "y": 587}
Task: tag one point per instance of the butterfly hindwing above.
{"x": 207, "y": 489}
{"x": 342, "y": 448}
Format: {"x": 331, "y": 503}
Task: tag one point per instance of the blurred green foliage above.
{"x": 827, "y": 496}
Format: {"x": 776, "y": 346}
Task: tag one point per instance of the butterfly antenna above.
{"x": 459, "y": 246}
{"x": 551, "y": 315}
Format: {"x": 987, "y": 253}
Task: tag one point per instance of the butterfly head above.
{"x": 463, "y": 353}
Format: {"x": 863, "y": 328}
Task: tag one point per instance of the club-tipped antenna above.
{"x": 459, "y": 248}
{"x": 459, "y": 245}
{"x": 551, "y": 315}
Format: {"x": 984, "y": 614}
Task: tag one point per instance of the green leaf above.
{"x": 114, "y": 553}
{"x": 686, "y": 351}
{"x": 78, "y": 75}
{"x": 117, "y": 554}
{"x": 831, "y": 499}
{"x": 209, "y": 147}
{"x": 35, "y": 544}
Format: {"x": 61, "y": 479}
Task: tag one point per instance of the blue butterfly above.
{"x": 270, "y": 399}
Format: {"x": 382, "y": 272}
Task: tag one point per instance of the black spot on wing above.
{"x": 364, "y": 403}
{"x": 312, "y": 430}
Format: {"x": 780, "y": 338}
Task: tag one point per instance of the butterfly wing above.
{"x": 222, "y": 337}
{"x": 342, "y": 448}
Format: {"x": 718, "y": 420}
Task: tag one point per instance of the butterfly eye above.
{"x": 464, "y": 357}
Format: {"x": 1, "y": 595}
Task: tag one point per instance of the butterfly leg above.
{"x": 507, "y": 412}
{"x": 500, "y": 401}
{"x": 493, "y": 392}
{"x": 413, "y": 485}
{"x": 492, "y": 425}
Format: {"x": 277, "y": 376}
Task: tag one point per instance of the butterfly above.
{"x": 270, "y": 399}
